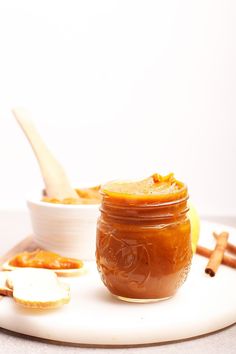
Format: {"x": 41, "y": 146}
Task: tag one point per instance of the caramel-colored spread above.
{"x": 44, "y": 259}
{"x": 156, "y": 188}
{"x": 87, "y": 196}
{"x": 143, "y": 237}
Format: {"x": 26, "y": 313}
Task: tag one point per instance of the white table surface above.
{"x": 219, "y": 342}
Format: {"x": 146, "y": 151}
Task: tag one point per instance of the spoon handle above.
{"x": 55, "y": 179}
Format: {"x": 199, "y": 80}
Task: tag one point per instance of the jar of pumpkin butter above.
{"x": 143, "y": 247}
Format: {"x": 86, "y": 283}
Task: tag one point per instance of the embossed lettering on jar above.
{"x": 143, "y": 249}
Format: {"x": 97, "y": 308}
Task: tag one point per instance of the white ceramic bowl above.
{"x": 69, "y": 230}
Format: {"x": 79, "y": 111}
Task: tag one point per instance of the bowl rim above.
{"x": 35, "y": 201}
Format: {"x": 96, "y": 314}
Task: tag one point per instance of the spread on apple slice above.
{"x": 44, "y": 259}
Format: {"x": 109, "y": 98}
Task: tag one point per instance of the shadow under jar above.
{"x": 143, "y": 247}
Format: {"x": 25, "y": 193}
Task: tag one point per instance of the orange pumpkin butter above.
{"x": 86, "y": 196}
{"x": 44, "y": 259}
{"x": 143, "y": 247}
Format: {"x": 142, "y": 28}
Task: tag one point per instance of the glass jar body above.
{"x": 143, "y": 252}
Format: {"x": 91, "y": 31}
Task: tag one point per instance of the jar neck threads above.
{"x": 144, "y": 212}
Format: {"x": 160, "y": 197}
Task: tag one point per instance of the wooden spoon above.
{"x": 55, "y": 179}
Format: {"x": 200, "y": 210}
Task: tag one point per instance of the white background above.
{"x": 121, "y": 89}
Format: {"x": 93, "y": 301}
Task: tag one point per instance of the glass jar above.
{"x": 143, "y": 248}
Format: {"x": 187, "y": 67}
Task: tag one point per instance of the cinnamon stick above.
{"x": 206, "y": 252}
{"x": 217, "y": 255}
{"x": 230, "y": 247}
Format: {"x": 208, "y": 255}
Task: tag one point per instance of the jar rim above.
{"x": 146, "y": 199}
